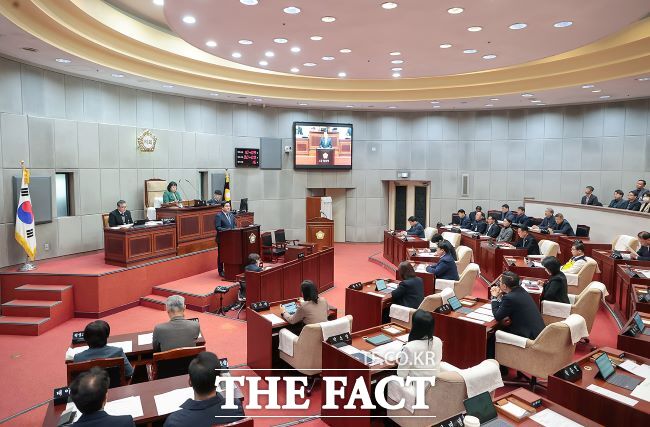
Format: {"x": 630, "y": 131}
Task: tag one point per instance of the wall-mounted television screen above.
{"x": 322, "y": 145}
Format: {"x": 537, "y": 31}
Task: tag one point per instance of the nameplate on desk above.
{"x": 356, "y": 286}
{"x": 456, "y": 421}
{"x": 301, "y": 255}
{"x": 570, "y": 373}
{"x": 260, "y": 306}
{"x": 344, "y": 338}
{"x": 223, "y": 363}
{"x": 78, "y": 337}
{"x": 61, "y": 395}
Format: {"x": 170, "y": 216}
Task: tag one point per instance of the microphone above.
{"x": 193, "y": 187}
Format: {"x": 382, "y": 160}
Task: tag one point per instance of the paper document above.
{"x": 640, "y": 370}
{"x": 349, "y": 349}
{"x": 644, "y": 273}
{"x": 377, "y": 294}
{"x": 275, "y": 320}
{"x": 145, "y": 339}
{"x": 71, "y": 352}
{"x": 549, "y": 418}
{"x": 126, "y": 346}
{"x": 484, "y": 310}
{"x": 171, "y": 401}
{"x": 612, "y": 395}
{"x": 127, "y": 406}
{"x": 642, "y": 391}
{"x": 479, "y": 316}
{"x": 516, "y": 410}
{"x": 389, "y": 351}
{"x": 391, "y": 285}
{"x": 421, "y": 268}
{"x": 403, "y": 338}
{"x": 392, "y": 330}
{"x": 480, "y": 322}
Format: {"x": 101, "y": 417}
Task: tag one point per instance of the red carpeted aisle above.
{"x": 33, "y": 366}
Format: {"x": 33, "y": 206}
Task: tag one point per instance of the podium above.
{"x": 235, "y": 246}
{"x": 321, "y": 232}
{"x": 325, "y": 156}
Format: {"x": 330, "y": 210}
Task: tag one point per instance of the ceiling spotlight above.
{"x": 345, "y": 50}
{"x": 494, "y": 99}
{"x": 597, "y": 90}
{"x": 280, "y": 40}
{"x": 605, "y": 96}
{"x": 328, "y": 19}
{"x": 63, "y": 60}
{"x": 295, "y": 70}
{"x": 245, "y": 42}
{"x": 214, "y": 94}
{"x": 587, "y": 86}
{"x": 445, "y": 46}
{"x": 236, "y": 55}
{"x": 117, "y": 76}
{"x": 490, "y": 56}
{"x": 392, "y": 107}
{"x": 189, "y": 19}
{"x": 342, "y": 74}
{"x": 295, "y": 49}
{"x": 248, "y": 2}
{"x": 527, "y": 95}
{"x": 168, "y": 86}
{"x": 328, "y": 58}
{"x": 455, "y": 10}
{"x": 263, "y": 63}
{"x": 309, "y": 64}
{"x": 474, "y": 29}
{"x": 389, "y": 5}
{"x": 292, "y": 10}
{"x": 349, "y": 106}
{"x": 436, "y": 106}
{"x": 159, "y": 2}
{"x": 518, "y": 26}
{"x": 535, "y": 100}
{"x": 470, "y": 51}
{"x": 643, "y": 79}
{"x": 316, "y": 38}
{"x": 396, "y": 74}
{"x": 211, "y": 43}
{"x": 435, "y": 102}
{"x": 395, "y": 53}
{"x": 489, "y": 105}
{"x": 563, "y": 24}
{"x": 396, "y": 69}
{"x": 269, "y": 54}
{"x": 257, "y": 99}
{"x": 397, "y": 61}
{"x": 303, "y": 104}
{"x": 538, "y": 105}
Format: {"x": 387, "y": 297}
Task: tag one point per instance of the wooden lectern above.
{"x": 321, "y": 232}
{"x": 235, "y": 246}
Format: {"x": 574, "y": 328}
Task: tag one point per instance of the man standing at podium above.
{"x": 224, "y": 220}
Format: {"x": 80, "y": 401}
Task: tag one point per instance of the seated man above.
{"x": 578, "y": 259}
{"x": 472, "y": 215}
{"x": 506, "y": 233}
{"x": 526, "y": 241}
{"x": 632, "y": 203}
{"x": 492, "y": 229}
{"x": 562, "y": 226}
{"x": 206, "y": 409}
{"x": 479, "y": 224}
{"x": 464, "y": 221}
{"x": 178, "y": 332}
{"x": 548, "y": 222}
{"x": 589, "y": 198}
{"x": 416, "y": 228}
{"x": 435, "y": 239}
{"x": 217, "y": 198}
{"x": 640, "y": 189}
{"x": 509, "y": 300}
{"x": 446, "y": 268}
{"x": 96, "y": 335}
{"x": 520, "y": 218}
{"x": 618, "y": 202}
{"x": 643, "y": 253}
{"x": 120, "y": 216}
{"x": 506, "y": 213}
{"x": 88, "y": 392}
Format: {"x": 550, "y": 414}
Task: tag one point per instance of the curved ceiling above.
{"x": 133, "y": 41}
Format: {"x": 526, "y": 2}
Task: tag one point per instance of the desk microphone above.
{"x": 193, "y": 187}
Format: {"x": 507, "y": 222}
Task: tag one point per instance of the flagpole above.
{"x": 28, "y": 265}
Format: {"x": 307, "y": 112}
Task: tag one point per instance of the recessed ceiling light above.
{"x": 269, "y": 54}
{"x": 345, "y": 50}
{"x": 211, "y": 43}
{"x": 587, "y": 86}
{"x": 605, "y": 96}
{"x": 563, "y": 24}
{"x": 494, "y": 99}
{"x": 63, "y": 60}
{"x": 189, "y": 19}
{"x": 490, "y": 56}
{"x": 292, "y": 10}
{"x": 342, "y": 74}
{"x": 257, "y": 99}
{"x": 397, "y": 61}
{"x": 474, "y": 29}
{"x": 389, "y": 5}
{"x": 263, "y": 63}
{"x": 309, "y": 64}
{"x": 168, "y": 86}
{"x": 248, "y": 2}
{"x": 535, "y": 100}
{"x": 316, "y": 38}
{"x": 489, "y": 105}
{"x": 295, "y": 49}
{"x": 435, "y": 102}
{"x": 518, "y": 26}
{"x": 395, "y": 53}
{"x": 392, "y": 107}
{"x": 295, "y": 70}
{"x": 396, "y": 69}
{"x": 470, "y": 51}
{"x": 527, "y": 95}
{"x": 159, "y": 2}
{"x": 538, "y": 105}
{"x": 236, "y": 55}
{"x": 445, "y": 46}
{"x": 303, "y": 104}
{"x": 349, "y": 106}
{"x": 245, "y": 42}
{"x": 396, "y": 74}
{"x": 643, "y": 79}
{"x": 436, "y": 106}
{"x": 328, "y": 58}
{"x": 455, "y": 10}
{"x": 280, "y": 40}
{"x": 597, "y": 90}
{"x": 328, "y": 19}
{"x": 118, "y": 76}
{"x": 214, "y": 94}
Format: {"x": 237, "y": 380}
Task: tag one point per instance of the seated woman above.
{"x": 422, "y": 354}
{"x": 96, "y": 335}
{"x": 410, "y": 291}
{"x": 311, "y": 308}
{"x": 445, "y": 268}
{"x": 555, "y": 288}
{"x": 172, "y": 195}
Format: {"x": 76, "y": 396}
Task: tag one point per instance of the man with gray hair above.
{"x": 120, "y": 216}
{"x": 178, "y": 332}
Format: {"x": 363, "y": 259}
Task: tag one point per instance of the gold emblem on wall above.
{"x": 320, "y": 235}
{"x": 252, "y": 238}
{"x": 147, "y": 141}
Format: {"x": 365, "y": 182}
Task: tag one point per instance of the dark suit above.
{"x": 409, "y": 293}
{"x": 479, "y": 226}
{"x": 510, "y": 215}
{"x": 640, "y": 193}
{"x": 223, "y": 222}
{"x": 213, "y": 202}
{"x": 492, "y": 230}
{"x": 548, "y": 223}
{"x": 634, "y": 206}
{"x": 464, "y": 222}
{"x": 445, "y": 268}
{"x": 115, "y": 218}
{"x": 520, "y": 220}
{"x": 416, "y": 230}
{"x": 204, "y": 413}
{"x": 618, "y": 204}
{"x": 593, "y": 200}
{"x": 519, "y": 306}
{"x": 176, "y": 333}
{"x": 102, "y": 419}
{"x": 644, "y": 253}
{"x": 555, "y": 289}
{"x": 105, "y": 352}
{"x": 472, "y": 217}
{"x": 564, "y": 228}
{"x": 529, "y": 243}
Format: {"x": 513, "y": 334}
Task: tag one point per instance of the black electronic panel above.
{"x": 247, "y": 157}
{"x": 420, "y": 208}
{"x": 400, "y": 207}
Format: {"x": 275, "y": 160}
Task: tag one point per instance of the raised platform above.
{"x": 378, "y": 258}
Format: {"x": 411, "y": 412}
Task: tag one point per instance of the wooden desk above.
{"x": 525, "y": 280}
{"x": 637, "y": 291}
{"x": 146, "y": 391}
{"x": 464, "y": 343}
{"x": 625, "y": 285}
{"x": 125, "y": 247}
{"x": 367, "y": 305}
{"x": 428, "y": 279}
{"x": 262, "y": 339}
{"x": 395, "y": 247}
{"x": 608, "y": 267}
{"x": 492, "y": 258}
{"x": 520, "y": 265}
{"x": 336, "y": 363}
{"x": 567, "y": 241}
{"x": 466, "y": 239}
{"x": 294, "y": 251}
{"x": 422, "y": 255}
{"x": 194, "y": 226}
{"x": 599, "y": 408}
{"x": 640, "y": 344}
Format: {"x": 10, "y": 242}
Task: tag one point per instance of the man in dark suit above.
{"x": 618, "y": 202}
{"x": 463, "y": 221}
{"x": 506, "y": 213}
{"x": 632, "y": 203}
{"x": 526, "y": 241}
{"x": 224, "y": 220}
{"x": 120, "y": 216}
{"x": 509, "y": 300}
{"x": 472, "y": 215}
{"x": 492, "y": 228}
{"x": 88, "y": 392}
{"x": 206, "y": 409}
{"x": 643, "y": 253}
{"x": 562, "y": 226}
{"x": 520, "y": 218}
{"x": 178, "y": 332}
{"x": 479, "y": 224}
{"x": 640, "y": 190}
{"x": 217, "y": 199}
{"x": 416, "y": 228}
{"x": 589, "y": 198}
{"x": 506, "y": 233}
{"x": 548, "y": 222}
{"x": 96, "y": 335}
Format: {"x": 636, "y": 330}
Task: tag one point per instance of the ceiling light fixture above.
{"x": 349, "y": 106}
{"x": 309, "y": 64}
{"x": 489, "y": 105}
{"x": 436, "y": 106}
{"x": 397, "y": 61}
{"x": 245, "y": 42}
{"x": 397, "y": 75}
{"x": 292, "y": 10}
{"x": 395, "y": 53}
{"x": 248, "y": 2}
{"x": 118, "y": 76}
{"x": 518, "y": 26}
{"x": 392, "y": 107}
{"x": 269, "y": 54}
{"x": 445, "y": 46}
{"x": 189, "y": 19}
{"x": 236, "y": 55}
{"x": 303, "y": 104}
{"x": 470, "y": 51}
{"x": 342, "y": 74}
{"x": 214, "y": 94}
{"x": 389, "y": 5}
{"x": 563, "y": 24}
{"x": 474, "y": 29}
{"x": 328, "y": 19}
{"x": 327, "y": 58}
{"x": 527, "y": 95}
{"x": 345, "y": 50}
{"x": 605, "y": 96}
{"x": 490, "y": 56}
{"x": 280, "y": 40}
{"x": 159, "y": 2}
{"x": 587, "y": 86}
{"x": 257, "y": 99}
{"x": 643, "y": 79}
{"x": 63, "y": 60}
{"x": 263, "y": 63}
{"x": 295, "y": 49}
{"x": 597, "y": 90}
{"x": 396, "y": 69}
{"x": 168, "y": 86}
{"x": 455, "y": 10}
{"x": 535, "y": 100}
{"x": 211, "y": 43}
{"x": 435, "y": 102}
{"x": 316, "y": 38}
{"x": 295, "y": 70}
{"x": 494, "y": 99}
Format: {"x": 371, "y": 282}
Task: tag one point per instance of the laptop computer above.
{"x": 380, "y": 286}
{"x": 608, "y": 372}
{"x": 457, "y": 306}
{"x": 640, "y": 324}
{"x": 482, "y": 407}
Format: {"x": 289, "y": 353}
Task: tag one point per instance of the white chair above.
{"x": 465, "y": 256}
{"x": 624, "y": 242}
{"x": 578, "y": 282}
{"x": 464, "y": 285}
{"x": 548, "y": 248}
{"x": 453, "y": 238}
{"x": 429, "y": 232}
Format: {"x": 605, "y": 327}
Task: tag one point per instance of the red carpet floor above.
{"x": 33, "y": 366}
{"x": 88, "y": 263}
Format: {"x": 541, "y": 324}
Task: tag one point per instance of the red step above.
{"x": 15, "y": 325}
{"x": 36, "y": 309}
{"x": 156, "y": 302}
{"x": 29, "y": 308}
{"x": 41, "y": 292}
